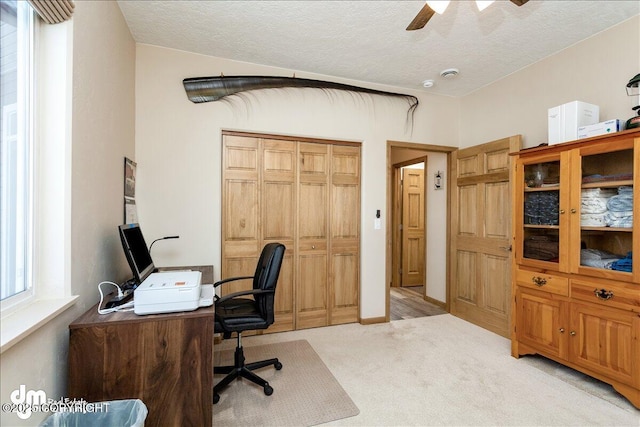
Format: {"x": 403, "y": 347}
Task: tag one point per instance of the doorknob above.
{"x": 506, "y": 248}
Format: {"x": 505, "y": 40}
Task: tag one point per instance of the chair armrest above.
{"x": 243, "y": 293}
{"x": 216, "y": 298}
{"x": 231, "y": 279}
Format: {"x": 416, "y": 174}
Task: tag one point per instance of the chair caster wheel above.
{"x": 268, "y": 390}
{"x": 216, "y": 398}
{"x": 278, "y": 366}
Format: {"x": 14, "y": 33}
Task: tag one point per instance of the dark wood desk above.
{"x": 165, "y": 360}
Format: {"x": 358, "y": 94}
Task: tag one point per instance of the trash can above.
{"x": 114, "y": 413}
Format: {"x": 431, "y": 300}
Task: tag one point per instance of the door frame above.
{"x": 396, "y": 218}
{"x": 425, "y": 148}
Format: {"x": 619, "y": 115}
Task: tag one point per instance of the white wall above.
{"x": 178, "y": 148}
{"x": 595, "y": 70}
{"x": 436, "y": 228}
{"x": 102, "y": 135}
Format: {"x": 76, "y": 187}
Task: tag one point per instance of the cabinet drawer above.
{"x": 625, "y": 297}
{"x": 543, "y": 281}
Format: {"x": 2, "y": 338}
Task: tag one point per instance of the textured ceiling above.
{"x": 367, "y": 41}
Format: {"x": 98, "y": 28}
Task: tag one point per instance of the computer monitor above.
{"x": 136, "y": 251}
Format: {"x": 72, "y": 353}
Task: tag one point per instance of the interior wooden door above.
{"x": 313, "y": 236}
{"x": 278, "y": 213}
{"x": 345, "y": 234}
{"x": 241, "y": 231}
{"x": 480, "y": 257}
{"x": 413, "y": 240}
{"x": 259, "y": 201}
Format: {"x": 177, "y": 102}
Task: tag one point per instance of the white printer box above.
{"x": 565, "y": 119}
{"x": 168, "y": 292}
{"x": 610, "y": 126}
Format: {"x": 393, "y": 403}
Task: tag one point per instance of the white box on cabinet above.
{"x": 610, "y": 126}
{"x": 565, "y": 119}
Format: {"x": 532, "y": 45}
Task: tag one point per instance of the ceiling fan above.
{"x": 432, "y": 7}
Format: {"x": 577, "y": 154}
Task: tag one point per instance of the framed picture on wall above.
{"x": 129, "y": 179}
{"x": 130, "y": 212}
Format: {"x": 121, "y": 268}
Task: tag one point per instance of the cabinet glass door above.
{"x": 541, "y": 212}
{"x": 605, "y": 212}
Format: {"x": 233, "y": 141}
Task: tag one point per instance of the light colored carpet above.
{"x": 441, "y": 370}
{"x": 305, "y": 392}
{"x": 579, "y": 380}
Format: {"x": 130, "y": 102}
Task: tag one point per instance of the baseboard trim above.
{"x": 373, "y": 320}
{"x": 440, "y": 304}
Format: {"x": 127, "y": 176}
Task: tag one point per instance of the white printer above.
{"x": 171, "y": 291}
{"x": 161, "y": 291}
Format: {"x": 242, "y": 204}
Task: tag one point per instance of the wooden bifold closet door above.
{"x": 305, "y": 195}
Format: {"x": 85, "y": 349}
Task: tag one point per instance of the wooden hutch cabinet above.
{"x": 576, "y": 272}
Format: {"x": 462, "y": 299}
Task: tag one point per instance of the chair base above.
{"x": 242, "y": 370}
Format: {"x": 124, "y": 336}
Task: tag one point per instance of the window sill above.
{"x": 21, "y": 324}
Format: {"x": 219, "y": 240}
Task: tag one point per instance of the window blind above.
{"x": 53, "y": 11}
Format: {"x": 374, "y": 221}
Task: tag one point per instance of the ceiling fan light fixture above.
{"x": 438, "y": 6}
{"x": 483, "y": 4}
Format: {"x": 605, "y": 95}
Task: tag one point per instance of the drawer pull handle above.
{"x": 572, "y": 333}
{"x": 603, "y": 294}
{"x": 539, "y": 281}
{"x": 561, "y": 330}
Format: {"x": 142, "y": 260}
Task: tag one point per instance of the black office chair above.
{"x": 237, "y": 314}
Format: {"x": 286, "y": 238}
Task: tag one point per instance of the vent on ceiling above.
{"x": 449, "y": 72}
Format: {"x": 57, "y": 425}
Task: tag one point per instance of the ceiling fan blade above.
{"x": 519, "y": 2}
{"x": 421, "y": 18}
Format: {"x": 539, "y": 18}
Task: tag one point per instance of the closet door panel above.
{"x": 240, "y": 155}
{"x": 279, "y": 159}
{"x": 344, "y": 290}
{"x": 241, "y": 204}
{"x": 241, "y": 209}
{"x": 345, "y": 213}
{"x": 312, "y": 212}
{"x": 284, "y": 306}
{"x": 314, "y": 161}
{"x": 238, "y": 267}
{"x": 279, "y": 221}
{"x": 312, "y": 284}
{"x": 344, "y": 280}
{"x": 279, "y": 211}
{"x": 312, "y": 290}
